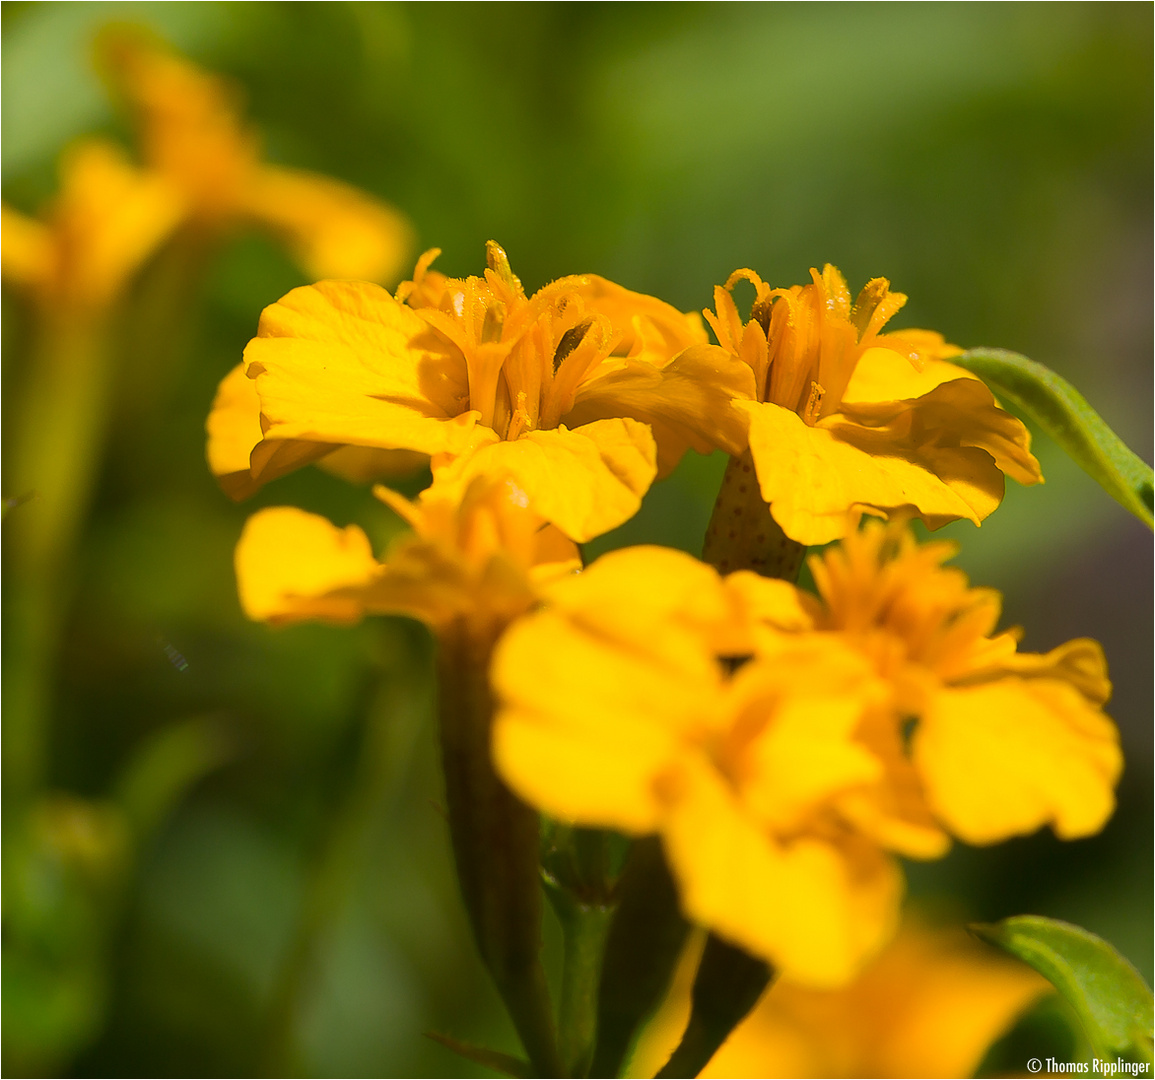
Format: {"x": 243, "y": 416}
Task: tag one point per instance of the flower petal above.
{"x": 293, "y": 566}
{"x": 815, "y": 910}
{"x": 883, "y": 375}
{"x": 234, "y": 428}
{"x": 686, "y": 401}
{"x": 586, "y": 481}
{"x": 585, "y": 727}
{"x": 26, "y": 252}
{"x": 343, "y": 362}
{"x": 813, "y": 477}
{"x": 958, "y": 413}
{"x": 333, "y": 230}
{"x": 1005, "y": 758}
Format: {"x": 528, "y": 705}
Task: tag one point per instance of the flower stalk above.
{"x": 495, "y": 841}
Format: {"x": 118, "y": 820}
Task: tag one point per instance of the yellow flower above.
{"x": 107, "y": 220}
{"x": 783, "y": 747}
{"x": 930, "y": 1005}
{"x": 481, "y": 559}
{"x": 847, "y": 417}
{"x": 191, "y": 135}
{"x": 581, "y": 392}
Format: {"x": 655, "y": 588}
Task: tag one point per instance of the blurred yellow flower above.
{"x": 192, "y": 136}
{"x": 481, "y": 558}
{"x": 930, "y": 1005}
{"x": 847, "y": 417}
{"x": 485, "y": 380}
{"x": 109, "y": 217}
{"x": 783, "y": 747}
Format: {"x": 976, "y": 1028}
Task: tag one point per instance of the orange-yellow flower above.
{"x": 930, "y": 1005}
{"x": 481, "y": 559}
{"x": 191, "y": 135}
{"x": 109, "y": 217}
{"x": 581, "y": 392}
{"x": 784, "y": 746}
{"x": 849, "y": 418}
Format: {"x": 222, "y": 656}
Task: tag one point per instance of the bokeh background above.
{"x": 296, "y": 910}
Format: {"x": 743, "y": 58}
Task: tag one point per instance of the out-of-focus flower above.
{"x": 930, "y": 1005}
{"x": 784, "y": 747}
{"x": 192, "y": 136}
{"x": 485, "y": 380}
{"x": 109, "y": 217}
{"x": 482, "y": 558}
{"x": 848, "y": 418}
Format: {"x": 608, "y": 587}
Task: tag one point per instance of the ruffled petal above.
{"x": 677, "y": 605}
{"x": 613, "y": 719}
{"x": 234, "y": 428}
{"x": 1005, "y": 758}
{"x": 586, "y": 481}
{"x": 687, "y": 401}
{"x": 884, "y": 375}
{"x": 344, "y": 363}
{"x": 959, "y": 413}
{"x": 293, "y": 566}
{"x": 1080, "y": 662}
{"x": 332, "y": 229}
{"x": 815, "y": 909}
{"x": 651, "y": 329}
{"x": 814, "y": 477}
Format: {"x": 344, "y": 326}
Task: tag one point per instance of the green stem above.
{"x": 742, "y": 534}
{"x": 645, "y": 941}
{"x": 495, "y": 842}
{"x": 63, "y": 407}
{"x": 585, "y": 929}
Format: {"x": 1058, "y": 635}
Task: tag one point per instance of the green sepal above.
{"x": 506, "y": 1064}
{"x": 1108, "y": 995}
{"x": 1063, "y": 413}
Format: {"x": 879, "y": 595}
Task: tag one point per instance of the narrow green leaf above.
{"x": 1109, "y": 996}
{"x": 481, "y": 1055}
{"x": 1063, "y": 413}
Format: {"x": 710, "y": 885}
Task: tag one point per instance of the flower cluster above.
{"x": 202, "y": 171}
{"x": 785, "y": 746}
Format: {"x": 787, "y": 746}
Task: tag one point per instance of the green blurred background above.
{"x": 296, "y": 910}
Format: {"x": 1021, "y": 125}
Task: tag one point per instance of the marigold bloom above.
{"x": 109, "y": 217}
{"x": 849, "y": 418}
{"x": 930, "y": 1005}
{"x": 191, "y": 135}
{"x": 482, "y": 558}
{"x": 782, "y": 746}
{"x": 485, "y": 380}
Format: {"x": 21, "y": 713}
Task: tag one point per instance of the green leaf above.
{"x": 480, "y": 1055}
{"x": 1063, "y": 413}
{"x": 1109, "y": 996}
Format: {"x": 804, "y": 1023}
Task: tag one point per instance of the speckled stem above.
{"x": 742, "y": 535}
